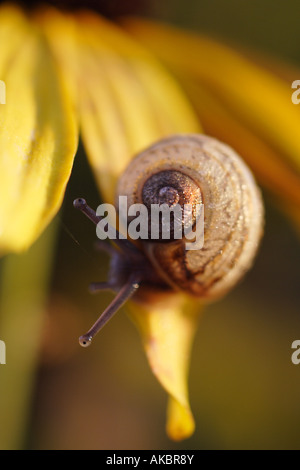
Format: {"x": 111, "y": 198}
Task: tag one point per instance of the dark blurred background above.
{"x": 244, "y": 389}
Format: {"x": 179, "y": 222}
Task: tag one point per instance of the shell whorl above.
{"x": 172, "y": 188}
{"x": 213, "y": 174}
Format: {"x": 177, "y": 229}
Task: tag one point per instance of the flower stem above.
{"x": 23, "y": 290}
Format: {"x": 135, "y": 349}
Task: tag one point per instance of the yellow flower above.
{"x": 125, "y": 87}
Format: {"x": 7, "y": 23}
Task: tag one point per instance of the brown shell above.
{"x": 233, "y": 213}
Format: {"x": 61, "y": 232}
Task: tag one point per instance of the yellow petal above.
{"x": 261, "y": 100}
{"x": 127, "y": 99}
{"x": 167, "y": 330}
{"x": 180, "y": 421}
{"x": 130, "y": 102}
{"x": 38, "y": 136}
{"x": 271, "y": 171}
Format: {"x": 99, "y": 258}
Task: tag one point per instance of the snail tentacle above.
{"x": 126, "y": 292}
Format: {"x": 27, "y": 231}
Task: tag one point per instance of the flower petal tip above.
{"x": 180, "y": 422}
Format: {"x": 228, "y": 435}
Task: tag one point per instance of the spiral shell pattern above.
{"x": 194, "y": 169}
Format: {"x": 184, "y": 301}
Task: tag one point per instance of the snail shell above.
{"x": 193, "y": 169}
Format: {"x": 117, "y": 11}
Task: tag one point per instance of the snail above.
{"x": 199, "y": 171}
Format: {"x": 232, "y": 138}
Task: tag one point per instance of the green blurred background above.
{"x": 244, "y": 389}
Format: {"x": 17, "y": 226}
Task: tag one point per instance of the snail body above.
{"x": 196, "y": 170}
